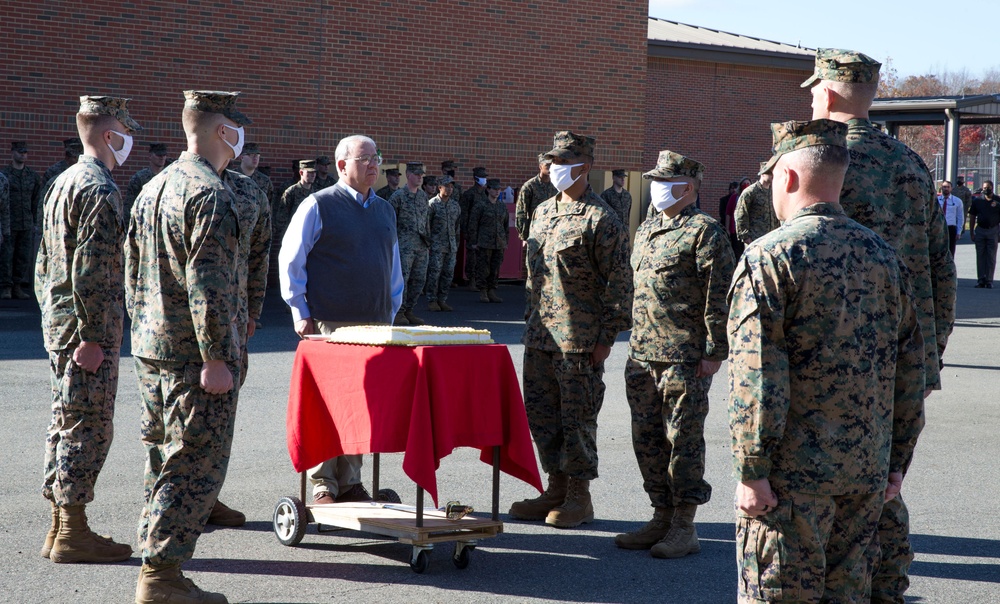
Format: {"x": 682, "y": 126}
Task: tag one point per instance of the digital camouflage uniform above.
{"x": 290, "y": 200}
{"x": 826, "y": 393}
{"x": 413, "y": 235}
{"x": 182, "y": 293}
{"x": 965, "y": 194}
{"x": 532, "y": 193}
{"x": 489, "y": 228}
{"x": 467, "y": 201}
{"x": 254, "y": 214}
{"x": 78, "y": 284}
{"x": 621, "y": 203}
{"x": 682, "y": 267}
{"x": 385, "y": 192}
{"x": 4, "y": 209}
{"x": 25, "y": 190}
{"x": 754, "y": 213}
{"x": 55, "y": 170}
{"x": 443, "y": 217}
{"x": 135, "y": 185}
{"x": 322, "y": 183}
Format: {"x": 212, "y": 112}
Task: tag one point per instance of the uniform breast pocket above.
{"x": 669, "y": 264}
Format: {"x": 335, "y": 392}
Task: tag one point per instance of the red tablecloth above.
{"x": 423, "y": 401}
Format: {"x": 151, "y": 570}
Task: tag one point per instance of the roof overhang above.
{"x": 728, "y": 54}
{"x": 923, "y": 111}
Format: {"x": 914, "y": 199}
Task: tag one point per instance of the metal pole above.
{"x": 420, "y": 506}
{"x": 496, "y": 483}
{"x": 952, "y": 130}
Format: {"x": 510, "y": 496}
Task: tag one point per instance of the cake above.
{"x": 423, "y": 335}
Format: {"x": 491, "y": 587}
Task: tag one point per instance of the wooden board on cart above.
{"x": 400, "y": 521}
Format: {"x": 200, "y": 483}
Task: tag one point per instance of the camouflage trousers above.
{"x": 470, "y": 265}
{"x": 893, "y": 557}
{"x": 669, "y": 405}
{"x": 414, "y": 261}
{"x": 440, "y": 273}
{"x": 488, "y": 267}
{"x": 810, "y": 548}
{"x": 82, "y": 427}
{"x": 563, "y": 395}
{"x": 16, "y": 258}
{"x": 187, "y": 434}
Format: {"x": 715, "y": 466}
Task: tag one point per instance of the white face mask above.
{"x": 481, "y": 182}
{"x": 238, "y": 147}
{"x": 662, "y": 194}
{"x": 121, "y": 156}
{"x": 561, "y": 176}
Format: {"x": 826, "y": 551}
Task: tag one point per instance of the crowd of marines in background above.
{"x": 834, "y": 320}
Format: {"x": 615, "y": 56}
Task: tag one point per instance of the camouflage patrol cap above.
{"x": 671, "y": 165}
{"x": 323, "y": 160}
{"x": 251, "y": 149}
{"x": 479, "y": 172}
{"x": 544, "y": 159}
{"x": 763, "y": 165}
{"x": 309, "y": 165}
{"x": 430, "y": 181}
{"x": 618, "y": 173}
{"x": 415, "y": 167}
{"x": 794, "y": 135}
{"x": 493, "y": 183}
{"x": 839, "y": 65}
{"x": 445, "y": 180}
{"x": 391, "y": 172}
{"x": 214, "y": 101}
{"x": 19, "y": 146}
{"x": 161, "y": 148}
{"x": 567, "y": 145}
{"x": 73, "y": 144}
{"x": 448, "y": 164}
{"x": 116, "y": 107}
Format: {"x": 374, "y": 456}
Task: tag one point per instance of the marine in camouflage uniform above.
{"x": 619, "y": 201}
{"x": 4, "y": 208}
{"x": 965, "y": 194}
{"x": 489, "y": 228}
{"x": 468, "y": 200}
{"x": 413, "y": 235}
{"x": 25, "y": 190}
{"x": 682, "y": 263}
{"x": 323, "y": 177}
{"x": 754, "y": 213}
{"x": 294, "y": 194}
{"x": 826, "y": 384}
{"x": 443, "y": 215}
{"x": 182, "y": 293}
{"x": 72, "y": 149}
{"x": 78, "y": 284}
{"x": 533, "y": 192}
{"x": 579, "y": 298}
{"x": 387, "y": 191}
{"x": 157, "y": 159}
{"x": 889, "y": 190}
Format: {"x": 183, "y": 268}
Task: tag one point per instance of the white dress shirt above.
{"x": 954, "y": 212}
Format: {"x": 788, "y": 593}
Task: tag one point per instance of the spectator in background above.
{"x": 730, "y": 218}
{"x": 954, "y": 214}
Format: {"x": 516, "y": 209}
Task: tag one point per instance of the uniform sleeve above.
{"x": 36, "y": 198}
{"x": 759, "y": 385}
{"x": 714, "y": 259}
{"x": 741, "y": 216}
{"x": 211, "y": 274}
{"x": 133, "y": 190}
{"x": 475, "y": 216}
{"x": 944, "y": 283}
{"x": 521, "y": 217}
{"x": 612, "y": 256}
{"x": 908, "y": 405}
{"x": 98, "y": 244}
{"x": 260, "y": 256}
{"x": 4, "y": 207}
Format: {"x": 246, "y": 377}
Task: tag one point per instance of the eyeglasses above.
{"x": 369, "y": 159}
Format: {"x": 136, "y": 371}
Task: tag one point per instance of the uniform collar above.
{"x": 819, "y": 209}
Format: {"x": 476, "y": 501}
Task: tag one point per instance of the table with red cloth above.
{"x": 423, "y": 401}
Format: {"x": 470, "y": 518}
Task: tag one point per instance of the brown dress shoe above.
{"x": 323, "y": 498}
{"x": 356, "y": 493}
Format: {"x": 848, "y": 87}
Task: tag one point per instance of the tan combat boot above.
{"x": 492, "y": 295}
{"x": 433, "y": 306}
{"x": 413, "y": 319}
{"x": 168, "y": 585}
{"x": 682, "y": 538}
{"x": 484, "y": 296}
{"x": 223, "y": 515}
{"x": 75, "y": 542}
{"x": 53, "y": 531}
{"x": 444, "y": 306}
{"x": 652, "y": 532}
{"x": 577, "y": 508}
{"x": 539, "y": 507}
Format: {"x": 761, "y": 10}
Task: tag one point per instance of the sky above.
{"x": 921, "y": 36}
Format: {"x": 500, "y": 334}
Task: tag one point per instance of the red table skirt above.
{"x": 423, "y": 401}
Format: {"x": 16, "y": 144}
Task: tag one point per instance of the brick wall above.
{"x": 485, "y": 83}
{"x": 719, "y": 114}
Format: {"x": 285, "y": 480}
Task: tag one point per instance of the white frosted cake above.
{"x": 423, "y": 335}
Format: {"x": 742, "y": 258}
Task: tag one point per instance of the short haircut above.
{"x": 196, "y": 122}
{"x": 348, "y": 142}
{"x": 92, "y": 122}
{"x": 945, "y": 182}
{"x": 824, "y": 161}
{"x": 988, "y": 182}
{"x": 856, "y": 93}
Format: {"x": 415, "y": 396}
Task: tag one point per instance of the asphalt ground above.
{"x": 951, "y": 490}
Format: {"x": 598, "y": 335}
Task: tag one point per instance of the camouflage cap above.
{"x": 323, "y": 160}
{"x": 116, "y": 107}
{"x": 479, "y": 172}
{"x": 19, "y": 146}
{"x": 448, "y": 164}
{"x": 160, "y": 148}
{"x": 445, "y": 180}
{"x": 493, "y": 183}
{"x": 839, "y": 65}
{"x": 214, "y": 101}
{"x": 415, "y": 167}
{"x": 251, "y": 149}
{"x": 567, "y": 145}
{"x": 430, "y": 180}
{"x": 670, "y": 165}
{"x": 544, "y": 159}
{"x": 763, "y": 165}
{"x": 391, "y": 172}
{"x": 618, "y": 173}
{"x": 794, "y": 135}
{"x": 309, "y": 165}
{"x": 73, "y": 144}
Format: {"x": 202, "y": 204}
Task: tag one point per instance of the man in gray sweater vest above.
{"x": 347, "y": 235}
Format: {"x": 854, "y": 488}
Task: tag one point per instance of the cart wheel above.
{"x": 461, "y": 557}
{"x": 387, "y": 496}
{"x": 422, "y": 561}
{"x": 290, "y": 520}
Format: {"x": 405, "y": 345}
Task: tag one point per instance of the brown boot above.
{"x": 433, "y": 306}
{"x": 444, "y": 306}
{"x": 682, "y": 538}
{"x": 492, "y": 295}
{"x": 168, "y": 585}
{"x": 413, "y": 319}
{"x": 400, "y": 319}
{"x": 223, "y": 515}
{"x": 647, "y": 536}
{"x": 75, "y": 542}
{"x": 53, "y": 531}
{"x": 539, "y": 507}
{"x": 577, "y": 508}
{"x": 484, "y": 296}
